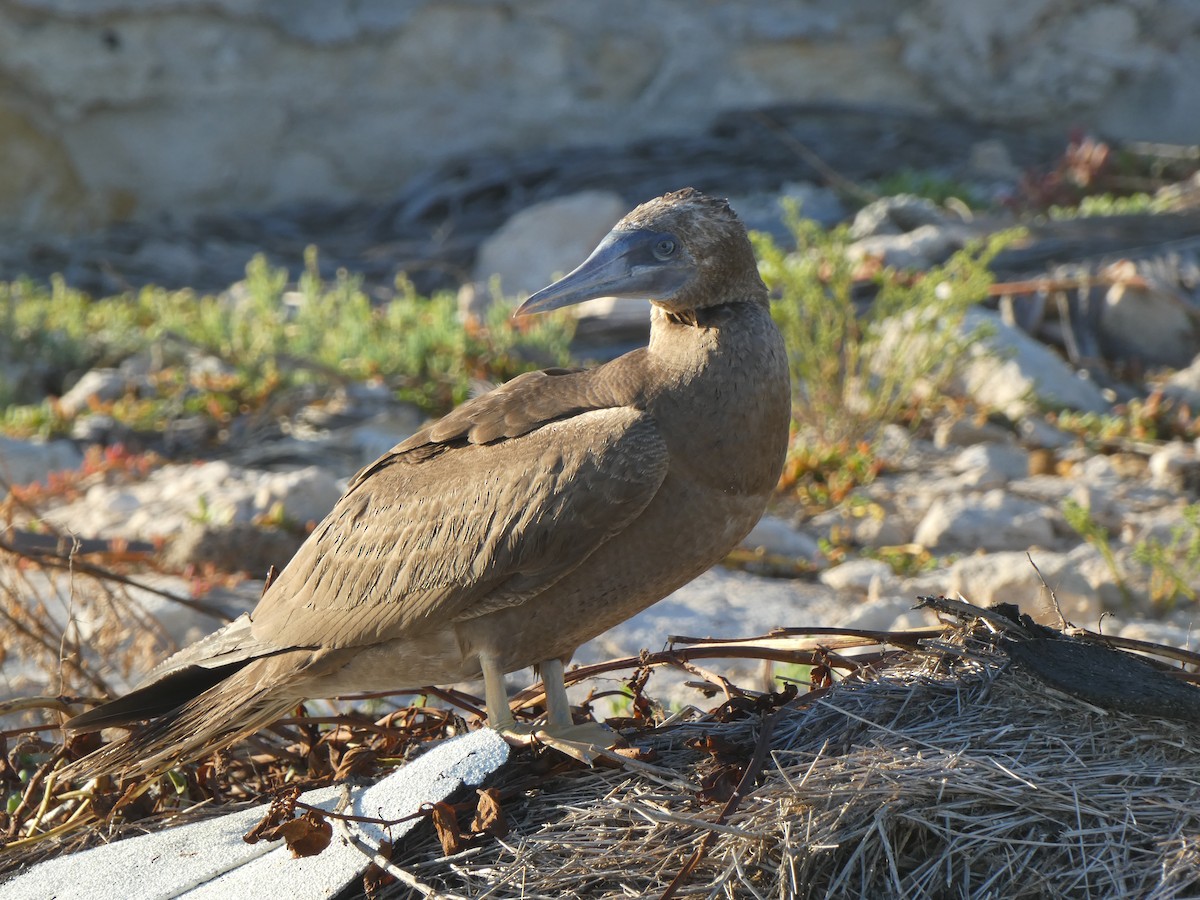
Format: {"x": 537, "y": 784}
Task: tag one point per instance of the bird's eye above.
{"x": 664, "y": 248}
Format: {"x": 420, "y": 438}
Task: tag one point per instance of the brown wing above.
{"x": 424, "y": 538}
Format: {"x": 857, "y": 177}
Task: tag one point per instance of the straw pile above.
{"x": 947, "y": 772}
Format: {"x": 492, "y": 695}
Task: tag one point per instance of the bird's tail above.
{"x": 230, "y": 710}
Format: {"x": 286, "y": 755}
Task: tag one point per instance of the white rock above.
{"x": 992, "y": 521}
{"x": 778, "y": 538}
{"x": 1100, "y": 502}
{"x": 720, "y": 603}
{"x": 306, "y": 495}
{"x": 896, "y": 215}
{"x": 858, "y": 575}
{"x": 1009, "y": 578}
{"x": 1010, "y": 371}
{"x": 920, "y": 248}
{"x": 1160, "y": 633}
{"x": 547, "y": 240}
{"x": 964, "y": 431}
{"x": 1037, "y": 432}
{"x": 992, "y": 464}
{"x": 1097, "y": 469}
{"x": 102, "y": 385}
{"x": 1148, "y": 323}
{"x": 30, "y": 462}
{"x": 1171, "y": 465}
{"x": 1184, "y": 385}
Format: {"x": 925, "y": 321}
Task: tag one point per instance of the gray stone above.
{"x": 963, "y": 431}
{"x": 776, "y": 537}
{"x": 211, "y": 493}
{"x": 1101, "y": 504}
{"x": 547, "y": 240}
{"x": 1010, "y": 578}
{"x": 305, "y": 495}
{"x": 239, "y": 547}
{"x": 896, "y": 215}
{"x": 886, "y": 614}
{"x": 859, "y": 575}
{"x": 719, "y": 604}
{"x": 147, "y": 114}
{"x": 1152, "y": 324}
{"x": 1184, "y": 386}
{"x": 991, "y": 160}
{"x": 991, "y": 521}
{"x": 920, "y": 248}
{"x": 1011, "y": 371}
{"x": 1037, "y": 432}
{"x": 96, "y": 385}
{"x": 881, "y": 525}
{"x": 30, "y": 462}
{"x": 991, "y": 465}
{"x": 1174, "y": 466}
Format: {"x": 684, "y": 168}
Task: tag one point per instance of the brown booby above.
{"x": 525, "y": 522}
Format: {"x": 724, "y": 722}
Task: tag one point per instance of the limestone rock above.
{"x": 991, "y": 465}
{"x": 777, "y": 538}
{"x": 1009, "y": 578}
{"x": 99, "y": 385}
{"x": 545, "y": 241}
{"x": 991, "y": 521}
{"x": 859, "y": 575}
{"x": 1152, "y": 324}
{"x": 1011, "y": 371}
{"x": 29, "y": 462}
{"x": 1184, "y": 385}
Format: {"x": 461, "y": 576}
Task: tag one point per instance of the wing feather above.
{"x": 428, "y": 539}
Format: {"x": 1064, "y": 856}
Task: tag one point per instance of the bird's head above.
{"x": 682, "y": 251}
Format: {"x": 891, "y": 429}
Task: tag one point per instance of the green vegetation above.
{"x": 1152, "y": 418}
{"x": 930, "y": 185}
{"x": 1172, "y": 568}
{"x": 261, "y": 343}
{"x": 854, "y": 371}
{"x": 1080, "y": 518}
{"x": 1112, "y": 205}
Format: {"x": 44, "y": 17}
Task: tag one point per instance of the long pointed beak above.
{"x": 621, "y": 266}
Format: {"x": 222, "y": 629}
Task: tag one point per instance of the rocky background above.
{"x": 167, "y": 143}
{"x": 120, "y": 110}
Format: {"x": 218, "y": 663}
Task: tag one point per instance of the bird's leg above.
{"x": 495, "y": 698}
{"x": 560, "y": 732}
{"x": 558, "y": 707}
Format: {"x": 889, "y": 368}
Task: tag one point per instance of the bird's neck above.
{"x": 721, "y": 385}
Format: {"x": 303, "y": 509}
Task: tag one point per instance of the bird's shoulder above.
{"x": 518, "y": 407}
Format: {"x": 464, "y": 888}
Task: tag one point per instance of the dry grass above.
{"x": 939, "y": 769}
{"x": 948, "y": 773}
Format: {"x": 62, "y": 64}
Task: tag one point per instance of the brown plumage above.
{"x": 522, "y": 524}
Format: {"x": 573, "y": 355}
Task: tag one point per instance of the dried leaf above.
{"x": 306, "y": 836}
{"x": 445, "y": 823}
{"x": 489, "y": 816}
{"x": 283, "y": 807}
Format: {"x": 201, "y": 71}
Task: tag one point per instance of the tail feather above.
{"x": 159, "y": 698}
{"x": 232, "y": 709}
